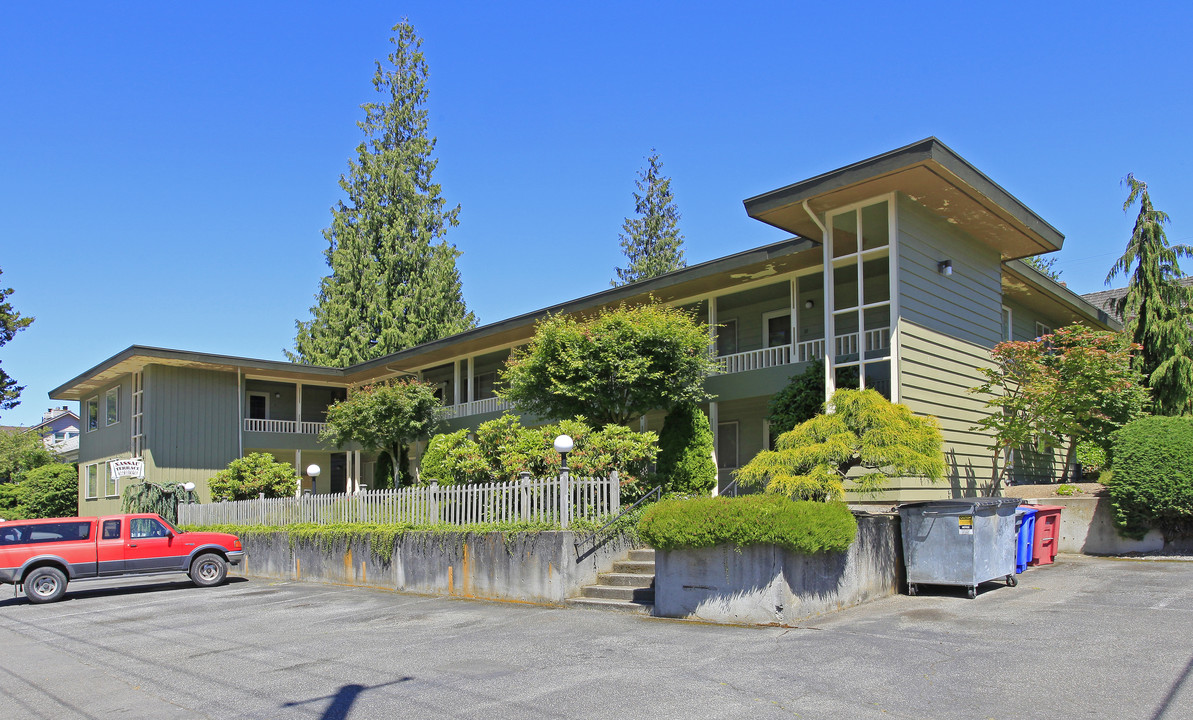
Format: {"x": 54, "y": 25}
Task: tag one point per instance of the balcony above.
{"x": 476, "y": 407}
{"x": 807, "y": 351}
{"x": 283, "y": 426}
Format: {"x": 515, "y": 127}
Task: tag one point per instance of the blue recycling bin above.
{"x": 1026, "y": 527}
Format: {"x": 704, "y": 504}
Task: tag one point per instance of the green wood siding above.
{"x": 191, "y": 424}
{"x": 947, "y": 326}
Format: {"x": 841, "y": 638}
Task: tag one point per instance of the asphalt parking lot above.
{"x": 1088, "y": 637}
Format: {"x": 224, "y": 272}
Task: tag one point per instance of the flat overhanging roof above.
{"x": 928, "y": 172}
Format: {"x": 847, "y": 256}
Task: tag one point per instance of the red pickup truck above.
{"x": 44, "y": 555}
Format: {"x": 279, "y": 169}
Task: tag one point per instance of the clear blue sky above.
{"x": 166, "y": 169}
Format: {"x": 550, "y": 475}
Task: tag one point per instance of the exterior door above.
{"x": 339, "y": 472}
{"x": 110, "y": 546}
{"x": 150, "y": 547}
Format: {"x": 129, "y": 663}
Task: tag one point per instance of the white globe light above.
{"x": 564, "y": 444}
{"x": 313, "y": 470}
{"x": 189, "y": 487}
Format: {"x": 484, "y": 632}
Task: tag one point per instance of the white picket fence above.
{"x": 559, "y": 500}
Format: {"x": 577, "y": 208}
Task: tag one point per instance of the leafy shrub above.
{"x": 1092, "y": 457}
{"x": 504, "y": 448}
{"x": 800, "y": 526}
{"x": 685, "y": 452}
{"x": 50, "y": 491}
{"x": 803, "y": 397}
{"x": 160, "y": 498}
{"x": 247, "y": 477}
{"x": 865, "y": 430}
{"x": 1066, "y": 490}
{"x": 453, "y": 458}
{"x": 1152, "y": 458}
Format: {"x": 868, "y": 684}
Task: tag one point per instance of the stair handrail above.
{"x": 658, "y": 490}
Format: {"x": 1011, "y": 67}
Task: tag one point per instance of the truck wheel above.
{"x": 209, "y": 570}
{"x": 45, "y": 584}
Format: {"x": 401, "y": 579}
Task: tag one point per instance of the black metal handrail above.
{"x": 658, "y": 490}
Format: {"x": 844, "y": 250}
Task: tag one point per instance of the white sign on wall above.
{"x": 127, "y": 468}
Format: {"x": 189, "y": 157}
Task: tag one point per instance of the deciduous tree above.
{"x": 1072, "y": 384}
{"x": 610, "y": 368}
{"x": 393, "y": 282}
{"x": 1157, "y": 310}
{"x": 384, "y": 418}
{"x": 247, "y": 477}
{"x": 651, "y": 241}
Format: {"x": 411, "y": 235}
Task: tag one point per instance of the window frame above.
{"x": 111, "y": 484}
{"x": 767, "y": 317}
{"x": 91, "y": 414}
{"x": 91, "y": 492}
{"x": 722, "y": 326}
{"x": 112, "y": 406}
{"x": 736, "y": 445}
{"x": 248, "y": 404}
{"x": 1043, "y": 329}
{"x": 1008, "y": 327}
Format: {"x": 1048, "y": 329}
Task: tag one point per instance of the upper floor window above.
{"x": 778, "y": 328}
{"x": 1006, "y": 323}
{"x": 112, "y": 406}
{"x": 1042, "y": 330}
{"x": 92, "y": 414}
{"x": 258, "y": 406}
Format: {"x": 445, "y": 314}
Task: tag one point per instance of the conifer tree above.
{"x": 652, "y": 241}
{"x": 1157, "y": 309}
{"x": 393, "y": 282}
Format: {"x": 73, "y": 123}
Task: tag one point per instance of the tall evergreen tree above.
{"x": 393, "y": 282}
{"x": 11, "y": 322}
{"x": 652, "y": 241}
{"x": 1157, "y": 309}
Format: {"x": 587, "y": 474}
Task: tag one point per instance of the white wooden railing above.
{"x": 557, "y": 500}
{"x": 283, "y": 426}
{"x": 476, "y": 407}
{"x": 809, "y": 350}
{"x": 753, "y": 360}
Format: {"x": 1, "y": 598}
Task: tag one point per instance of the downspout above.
{"x": 830, "y": 331}
{"x": 239, "y": 414}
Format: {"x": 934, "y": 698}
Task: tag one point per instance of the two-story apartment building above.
{"x": 902, "y": 268}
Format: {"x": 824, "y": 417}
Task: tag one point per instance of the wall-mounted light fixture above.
{"x": 945, "y": 267}
{"x": 277, "y": 396}
{"x": 809, "y": 304}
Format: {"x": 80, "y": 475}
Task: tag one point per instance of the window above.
{"x": 112, "y": 405}
{"x": 727, "y": 338}
{"x": 110, "y": 483}
{"x": 778, "y": 328}
{"x": 47, "y": 533}
{"x": 92, "y": 490}
{"x": 111, "y": 530}
{"x": 1042, "y": 329}
{"x": 92, "y": 414}
{"x": 258, "y": 406}
{"x": 139, "y": 528}
{"x": 1006, "y": 323}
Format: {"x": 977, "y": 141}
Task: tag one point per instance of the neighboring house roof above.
{"x": 1107, "y": 300}
{"x": 1028, "y": 285}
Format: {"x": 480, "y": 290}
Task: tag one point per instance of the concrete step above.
{"x": 644, "y": 555}
{"x": 616, "y": 592}
{"x": 640, "y": 567}
{"x": 630, "y": 579}
{"x": 640, "y": 608}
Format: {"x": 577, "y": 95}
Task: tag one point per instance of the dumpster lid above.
{"x": 975, "y": 502}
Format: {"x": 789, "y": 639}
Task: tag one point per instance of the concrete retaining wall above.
{"x": 532, "y": 567}
{"x": 768, "y": 584}
{"x": 1087, "y": 526}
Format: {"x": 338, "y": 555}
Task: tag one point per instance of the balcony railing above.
{"x": 807, "y": 351}
{"x": 476, "y": 407}
{"x": 283, "y": 426}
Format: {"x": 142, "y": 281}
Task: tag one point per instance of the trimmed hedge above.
{"x": 1152, "y": 486}
{"x": 800, "y": 526}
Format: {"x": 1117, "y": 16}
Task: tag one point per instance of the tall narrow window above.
{"x": 112, "y": 406}
{"x": 858, "y": 265}
{"x": 727, "y": 445}
{"x": 92, "y": 482}
{"x": 109, "y": 482}
{"x": 92, "y": 414}
{"x": 1006, "y": 323}
{"x": 727, "y": 338}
